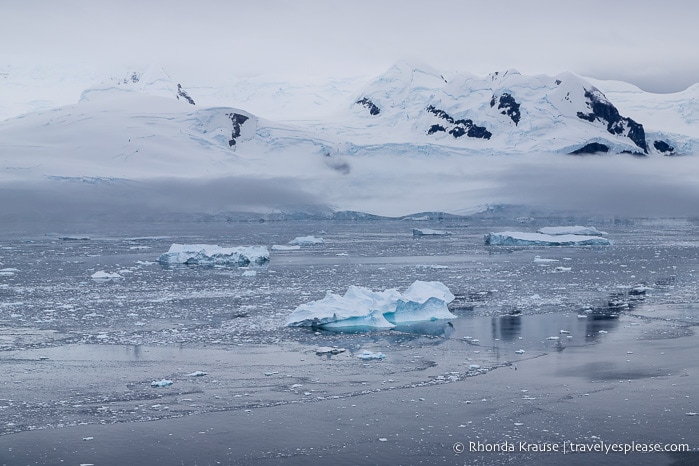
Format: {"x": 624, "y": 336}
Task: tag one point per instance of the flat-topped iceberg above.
{"x": 208, "y": 254}
{"x": 306, "y": 241}
{"x": 375, "y": 310}
{"x": 572, "y": 230}
{"x": 430, "y": 232}
{"x": 518, "y": 238}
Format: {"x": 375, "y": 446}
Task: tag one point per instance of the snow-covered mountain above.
{"x": 411, "y": 123}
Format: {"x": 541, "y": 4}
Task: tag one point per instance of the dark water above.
{"x": 80, "y": 353}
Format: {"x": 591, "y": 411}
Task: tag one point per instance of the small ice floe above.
{"x": 161, "y": 383}
{"x": 249, "y": 273}
{"x": 74, "y": 238}
{"x": 430, "y": 232}
{"x": 603, "y": 331}
{"x": 88, "y": 438}
{"x": 541, "y": 260}
{"x": 329, "y": 350}
{"x": 383, "y": 439}
{"x": 520, "y": 351}
{"x": 368, "y": 355}
{"x": 562, "y": 269}
{"x": 209, "y": 254}
{"x": 102, "y": 275}
{"x": 553, "y": 338}
{"x": 8, "y": 272}
{"x": 197, "y": 374}
{"x": 342, "y": 254}
{"x": 306, "y": 241}
{"x": 518, "y": 238}
{"x": 473, "y": 367}
{"x": 582, "y": 316}
{"x": 564, "y": 332}
{"x": 284, "y": 247}
{"x": 432, "y": 266}
{"x": 571, "y": 230}
{"x": 692, "y": 414}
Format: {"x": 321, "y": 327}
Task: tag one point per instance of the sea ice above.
{"x": 250, "y": 273}
{"x": 430, "y": 232}
{"x": 363, "y": 308}
{"x": 572, "y": 230}
{"x": 518, "y": 238}
{"x": 306, "y": 241}
{"x": 368, "y": 355}
{"x": 102, "y": 275}
{"x": 282, "y": 247}
{"x": 161, "y": 383}
{"x": 207, "y": 254}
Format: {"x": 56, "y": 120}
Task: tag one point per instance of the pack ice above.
{"x": 518, "y": 238}
{"x": 207, "y": 254}
{"x": 375, "y": 310}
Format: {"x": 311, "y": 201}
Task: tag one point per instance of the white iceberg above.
{"x": 207, "y": 254}
{"x": 306, "y": 241}
{"x": 102, "y": 275}
{"x": 282, "y": 247}
{"x": 377, "y": 310}
{"x": 430, "y": 232}
{"x": 518, "y": 238}
{"x": 572, "y": 230}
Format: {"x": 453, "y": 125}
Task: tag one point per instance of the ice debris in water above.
{"x": 283, "y": 247}
{"x": 363, "y": 308}
{"x": 572, "y": 230}
{"x": 329, "y": 350}
{"x": 197, "y": 374}
{"x": 306, "y": 241}
{"x": 208, "y": 254}
{"x": 519, "y": 238}
{"x": 102, "y": 275}
{"x": 367, "y": 355}
{"x": 161, "y": 383}
{"x": 249, "y": 273}
{"x": 430, "y": 232}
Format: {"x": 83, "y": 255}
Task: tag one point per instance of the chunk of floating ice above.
{"x": 473, "y": 367}
{"x": 564, "y": 332}
{"x": 281, "y": 247}
{"x": 383, "y": 439}
{"x": 692, "y": 414}
{"x": 520, "y": 351}
{"x": 161, "y": 383}
{"x": 102, "y": 275}
{"x": 430, "y": 232}
{"x": 367, "y": 355}
{"x": 88, "y": 438}
{"x": 572, "y": 230}
{"x": 306, "y": 241}
{"x": 197, "y": 374}
{"x": 582, "y": 316}
{"x": 207, "y": 254}
{"x": 563, "y": 269}
{"x": 249, "y": 273}
{"x": 603, "y": 331}
{"x": 553, "y": 338}
{"x": 329, "y": 350}
{"x": 375, "y": 310}
{"x": 542, "y": 260}
{"x": 518, "y": 238}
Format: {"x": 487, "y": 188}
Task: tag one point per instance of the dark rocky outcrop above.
{"x": 373, "y": 109}
{"x": 603, "y": 110}
{"x": 182, "y": 93}
{"x": 664, "y": 147}
{"x": 237, "y": 120}
{"x": 591, "y": 148}
{"x": 508, "y": 106}
{"x": 459, "y": 127}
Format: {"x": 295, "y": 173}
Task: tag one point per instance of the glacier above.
{"x": 572, "y": 230}
{"x": 362, "y": 308}
{"x": 208, "y": 254}
{"x": 518, "y": 238}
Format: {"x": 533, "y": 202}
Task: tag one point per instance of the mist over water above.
{"x": 389, "y": 185}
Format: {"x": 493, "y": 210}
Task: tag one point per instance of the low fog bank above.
{"x": 387, "y": 185}
{"x": 158, "y": 199}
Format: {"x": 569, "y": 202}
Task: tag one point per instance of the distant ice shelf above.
{"x": 518, "y": 238}
{"x": 364, "y": 309}
{"x": 572, "y": 230}
{"x": 207, "y": 254}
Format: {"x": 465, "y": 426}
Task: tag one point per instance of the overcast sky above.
{"x": 653, "y": 44}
